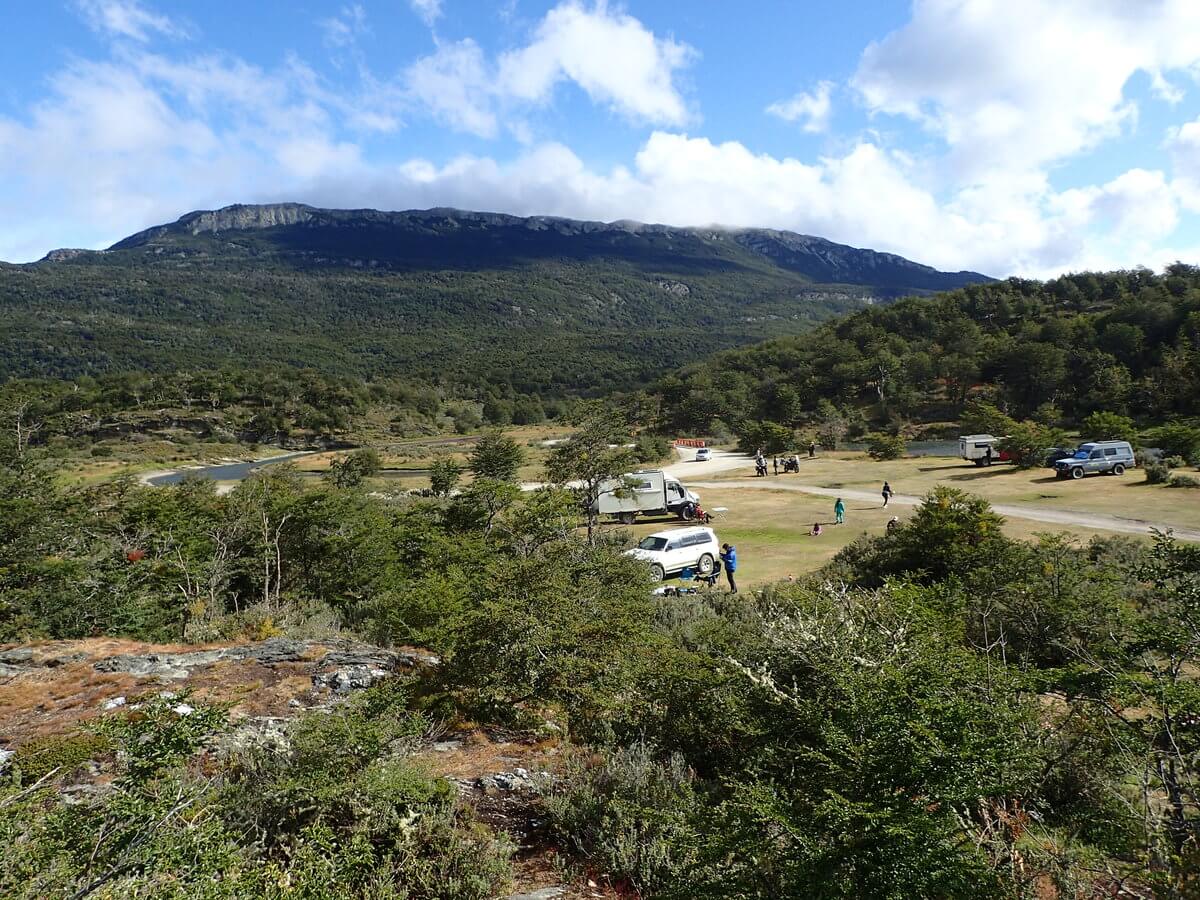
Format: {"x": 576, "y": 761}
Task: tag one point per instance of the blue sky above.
{"x": 1009, "y": 136}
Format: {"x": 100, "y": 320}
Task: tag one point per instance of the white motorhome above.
{"x": 645, "y": 493}
{"x": 979, "y": 449}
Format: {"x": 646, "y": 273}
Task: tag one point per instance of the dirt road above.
{"x": 722, "y": 461}
{"x": 1033, "y": 513}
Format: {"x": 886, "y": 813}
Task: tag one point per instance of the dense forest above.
{"x": 1126, "y": 343}
{"x": 943, "y": 712}
{"x": 244, "y": 405}
{"x": 448, "y": 299}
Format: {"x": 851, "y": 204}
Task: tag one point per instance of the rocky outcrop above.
{"x": 66, "y": 253}
{"x": 341, "y": 665}
{"x": 53, "y": 687}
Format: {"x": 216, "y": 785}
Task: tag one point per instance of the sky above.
{"x": 1010, "y": 137}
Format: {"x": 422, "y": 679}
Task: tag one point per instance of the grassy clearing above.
{"x": 1128, "y": 495}
{"x": 771, "y": 529}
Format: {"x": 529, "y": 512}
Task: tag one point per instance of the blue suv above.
{"x": 1111, "y": 457}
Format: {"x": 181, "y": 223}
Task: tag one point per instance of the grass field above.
{"x": 771, "y": 530}
{"x": 1127, "y": 495}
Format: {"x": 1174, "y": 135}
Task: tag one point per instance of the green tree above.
{"x": 352, "y": 470}
{"x": 1107, "y": 426}
{"x": 1026, "y": 443}
{"x": 593, "y": 454}
{"x": 496, "y": 456}
{"x": 444, "y": 474}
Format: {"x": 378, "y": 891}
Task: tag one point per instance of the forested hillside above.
{"x": 1120, "y": 342}
{"x": 448, "y": 298}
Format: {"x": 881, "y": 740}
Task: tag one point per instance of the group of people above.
{"x": 787, "y": 463}
{"x": 839, "y": 513}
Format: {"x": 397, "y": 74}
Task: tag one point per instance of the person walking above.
{"x": 729, "y": 561}
{"x": 887, "y": 494}
{"x": 839, "y": 512}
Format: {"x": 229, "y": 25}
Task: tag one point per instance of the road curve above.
{"x": 1048, "y": 515}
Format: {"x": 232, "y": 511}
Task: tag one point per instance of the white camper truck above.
{"x": 648, "y": 492}
{"x": 981, "y": 449}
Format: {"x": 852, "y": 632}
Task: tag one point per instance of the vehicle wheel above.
{"x": 656, "y": 572}
{"x": 1118, "y": 469}
{"x": 687, "y": 512}
{"x": 979, "y": 463}
{"x": 627, "y": 518}
{"x": 1077, "y": 473}
{"x": 705, "y": 565}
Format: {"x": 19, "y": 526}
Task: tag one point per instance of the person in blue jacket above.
{"x": 729, "y": 561}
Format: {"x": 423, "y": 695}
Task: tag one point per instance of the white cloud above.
{"x": 346, "y": 27}
{"x": 128, "y": 19}
{"x": 610, "y": 55}
{"x": 866, "y": 197}
{"x": 1018, "y": 84}
{"x": 429, "y": 10}
{"x": 455, "y": 85}
{"x": 138, "y": 139}
{"x": 812, "y": 109}
{"x": 118, "y": 145}
{"x": 1183, "y": 143}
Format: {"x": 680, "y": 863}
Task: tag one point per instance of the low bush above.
{"x": 1183, "y": 481}
{"x": 886, "y": 446}
{"x": 341, "y": 812}
{"x": 41, "y": 756}
{"x": 630, "y": 812}
{"x": 1157, "y": 472}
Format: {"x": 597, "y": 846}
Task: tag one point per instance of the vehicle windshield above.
{"x": 652, "y": 543}
{"x": 1082, "y": 454}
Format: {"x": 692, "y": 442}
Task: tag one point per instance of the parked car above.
{"x": 1054, "y": 454}
{"x": 703, "y": 454}
{"x": 1112, "y": 457}
{"x": 670, "y": 552}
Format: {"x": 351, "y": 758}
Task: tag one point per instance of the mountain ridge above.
{"x": 478, "y": 302}
{"x": 817, "y": 257}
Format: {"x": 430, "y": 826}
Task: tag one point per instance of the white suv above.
{"x": 670, "y": 552}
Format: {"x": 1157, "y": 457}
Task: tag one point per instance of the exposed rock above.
{"x": 65, "y": 253}
{"x": 510, "y": 782}
{"x": 346, "y": 655}
{"x": 349, "y": 678}
{"x": 6, "y": 758}
{"x": 114, "y": 703}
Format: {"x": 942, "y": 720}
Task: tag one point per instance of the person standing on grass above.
{"x": 887, "y": 494}
{"x": 775, "y": 463}
{"x": 729, "y": 561}
{"x": 839, "y": 512}
{"x": 812, "y": 449}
